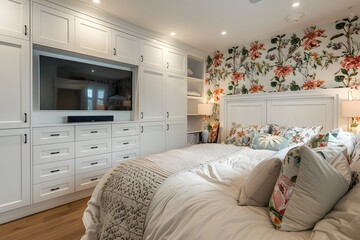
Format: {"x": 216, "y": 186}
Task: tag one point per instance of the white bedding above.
{"x": 201, "y": 202}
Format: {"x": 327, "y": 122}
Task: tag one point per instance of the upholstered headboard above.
{"x": 303, "y": 108}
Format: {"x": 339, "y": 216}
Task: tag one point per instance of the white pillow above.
{"x": 257, "y": 188}
{"x": 307, "y": 188}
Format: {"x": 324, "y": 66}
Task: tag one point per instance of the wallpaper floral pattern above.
{"x": 318, "y": 57}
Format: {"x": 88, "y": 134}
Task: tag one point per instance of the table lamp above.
{"x": 206, "y": 110}
{"x": 352, "y": 109}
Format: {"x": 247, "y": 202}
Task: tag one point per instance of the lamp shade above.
{"x": 351, "y": 109}
{"x": 205, "y": 109}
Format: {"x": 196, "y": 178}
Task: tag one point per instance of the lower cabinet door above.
{"x": 14, "y": 169}
{"x": 152, "y": 138}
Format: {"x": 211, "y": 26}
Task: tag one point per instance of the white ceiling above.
{"x": 198, "y": 23}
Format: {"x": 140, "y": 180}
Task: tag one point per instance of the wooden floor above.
{"x": 61, "y": 223}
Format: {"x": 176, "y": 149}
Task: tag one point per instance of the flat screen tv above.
{"x": 75, "y": 85}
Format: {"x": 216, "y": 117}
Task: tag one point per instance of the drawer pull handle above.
{"x": 53, "y": 153}
{"x": 93, "y": 163}
{"x": 125, "y": 143}
{"x": 93, "y": 179}
{"x": 125, "y": 129}
{"x": 54, "y": 189}
{"x": 125, "y": 157}
{"x": 54, "y": 171}
{"x": 95, "y": 147}
{"x": 54, "y": 135}
{"x": 94, "y": 132}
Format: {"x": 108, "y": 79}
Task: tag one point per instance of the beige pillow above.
{"x": 257, "y": 188}
{"x": 307, "y": 188}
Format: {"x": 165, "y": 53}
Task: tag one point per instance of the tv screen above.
{"x": 72, "y": 85}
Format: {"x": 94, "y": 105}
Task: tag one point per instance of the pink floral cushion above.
{"x": 243, "y": 134}
{"x": 296, "y": 135}
{"x": 307, "y": 188}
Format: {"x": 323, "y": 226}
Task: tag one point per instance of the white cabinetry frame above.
{"x": 14, "y": 18}
{"x": 14, "y": 82}
{"x": 15, "y": 169}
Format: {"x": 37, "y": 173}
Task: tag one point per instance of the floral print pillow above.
{"x": 301, "y": 195}
{"x": 269, "y": 142}
{"x": 296, "y": 135}
{"x": 243, "y": 134}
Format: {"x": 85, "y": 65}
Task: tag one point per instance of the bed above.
{"x": 196, "y": 192}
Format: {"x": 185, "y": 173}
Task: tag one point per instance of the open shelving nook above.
{"x": 195, "y": 86}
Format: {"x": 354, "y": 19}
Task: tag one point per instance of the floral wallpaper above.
{"x": 317, "y": 57}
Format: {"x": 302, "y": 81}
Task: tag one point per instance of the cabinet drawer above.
{"x": 53, "y": 189}
{"x": 125, "y": 143}
{"x": 123, "y": 130}
{"x": 88, "y": 180}
{"x": 93, "y": 147}
{"x": 53, "y": 152}
{"x": 90, "y": 132}
{"x": 118, "y": 157}
{"x": 48, "y": 135}
{"x": 51, "y": 171}
{"x": 92, "y": 163}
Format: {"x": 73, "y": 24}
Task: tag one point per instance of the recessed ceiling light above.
{"x": 96, "y": 1}
{"x": 295, "y": 4}
{"x": 92, "y": 70}
{"x": 223, "y": 33}
{"x": 172, "y": 33}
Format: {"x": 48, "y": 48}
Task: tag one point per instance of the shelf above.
{"x": 195, "y": 80}
{"x": 195, "y": 97}
{"x": 196, "y": 131}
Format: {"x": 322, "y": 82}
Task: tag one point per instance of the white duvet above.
{"x": 201, "y": 203}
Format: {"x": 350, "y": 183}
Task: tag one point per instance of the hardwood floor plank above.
{"x": 60, "y": 223}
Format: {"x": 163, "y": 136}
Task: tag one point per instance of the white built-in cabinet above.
{"x": 152, "y": 137}
{"x": 92, "y": 38}
{"x": 162, "y": 107}
{"x": 152, "y": 94}
{"x": 15, "y": 169}
{"x": 126, "y": 48}
{"x": 14, "y": 105}
{"x": 53, "y": 28}
{"x": 14, "y": 82}
{"x": 14, "y": 18}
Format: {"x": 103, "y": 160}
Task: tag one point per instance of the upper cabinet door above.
{"x": 14, "y": 18}
{"x": 152, "y": 54}
{"x": 125, "y": 48}
{"x": 14, "y": 82}
{"x": 175, "y": 92}
{"x": 92, "y": 38}
{"x": 152, "y": 97}
{"x": 53, "y": 28}
{"x": 176, "y": 61}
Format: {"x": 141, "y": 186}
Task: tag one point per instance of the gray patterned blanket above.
{"x": 126, "y": 197}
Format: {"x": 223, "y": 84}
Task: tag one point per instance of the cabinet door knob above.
{"x": 25, "y": 138}
{"x": 25, "y": 32}
{"x": 142, "y": 115}
{"x": 25, "y": 117}
{"x": 142, "y": 129}
{"x": 167, "y": 127}
{"x": 142, "y": 58}
{"x": 167, "y": 114}
{"x": 167, "y": 64}
{"x": 114, "y": 51}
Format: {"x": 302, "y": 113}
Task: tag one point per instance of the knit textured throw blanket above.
{"x": 126, "y": 196}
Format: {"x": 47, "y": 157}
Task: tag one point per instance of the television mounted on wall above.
{"x": 75, "y": 85}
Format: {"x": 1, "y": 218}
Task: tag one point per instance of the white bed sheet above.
{"x": 203, "y": 204}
